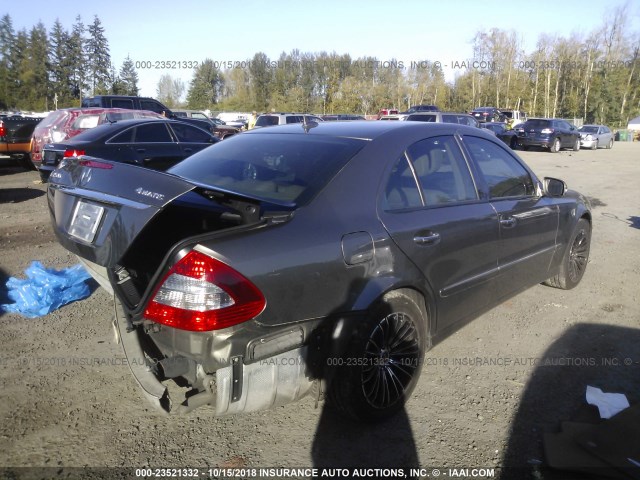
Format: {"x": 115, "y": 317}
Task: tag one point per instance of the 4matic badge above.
{"x": 148, "y": 193}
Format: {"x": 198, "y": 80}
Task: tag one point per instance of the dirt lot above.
{"x": 485, "y": 398}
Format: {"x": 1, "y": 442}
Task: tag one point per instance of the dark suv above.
{"x": 422, "y": 108}
{"x": 142, "y": 103}
{"x": 551, "y": 133}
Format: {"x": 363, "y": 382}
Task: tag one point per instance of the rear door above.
{"x": 151, "y": 145}
{"x": 528, "y": 222}
{"x": 430, "y": 207}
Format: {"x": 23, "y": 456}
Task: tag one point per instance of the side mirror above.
{"x": 554, "y": 187}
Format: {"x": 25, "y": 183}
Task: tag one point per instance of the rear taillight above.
{"x": 95, "y": 164}
{"x": 72, "y": 152}
{"x": 3, "y": 131}
{"x": 201, "y": 293}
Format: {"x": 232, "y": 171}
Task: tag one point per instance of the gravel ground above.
{"x": 486, "y": 396}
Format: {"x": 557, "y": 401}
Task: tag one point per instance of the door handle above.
{"x": 508, "y": 222}
{"x": 141, "y": 150}
{"x": 431, "y": 239}
{"x": 188, "y": 150}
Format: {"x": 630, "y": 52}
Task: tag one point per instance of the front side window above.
{"x": 504, "y": 175}
{"x": 151, "y": 105}
{"x": 190, "y": 134}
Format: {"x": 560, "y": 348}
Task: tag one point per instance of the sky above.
{"x": 233, "y": 31}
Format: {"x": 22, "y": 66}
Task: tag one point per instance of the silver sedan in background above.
{"x": 594, "y": 136}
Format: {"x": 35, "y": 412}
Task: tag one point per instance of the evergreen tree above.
{"x": 17, "y": 65}
{"x": 260, "y": 80}
{"x": 205, "y": 86}
{"x": 61, "y": 71}
{"x": 98, "y": 58}
{"x": 76, "y": 59}
{"x": 35, "y": 71}
{"x": 128, "y": 78}
{"x": 7, "y": 39}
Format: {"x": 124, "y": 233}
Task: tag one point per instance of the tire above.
{"x": 595, "y": 145}
{"x": 525, "y": 147}
{"x": 513, "y": 144}
{"x": 555, "y": 146}
{"x": 383, "y": 360}
{"x": 575, "y": 259}
{"x": 576, "y": 145}
{"x": 44, "y": 175}
{"x": 610, "y": 144}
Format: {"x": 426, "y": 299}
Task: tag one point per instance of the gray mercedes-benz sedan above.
{"x": 321, "y": 259}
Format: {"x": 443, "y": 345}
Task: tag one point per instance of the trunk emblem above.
{"x": 148, "y": 193}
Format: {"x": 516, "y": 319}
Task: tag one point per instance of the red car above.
{"x": 69, "y": 122}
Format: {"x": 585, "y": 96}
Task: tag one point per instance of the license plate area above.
{"x": 86, "y": 220}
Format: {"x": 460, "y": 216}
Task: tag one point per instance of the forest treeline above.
{"x": 593, "y": 75}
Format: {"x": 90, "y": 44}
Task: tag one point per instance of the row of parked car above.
{"x": 550, "y": 133}
{"x": 144, "y": 132}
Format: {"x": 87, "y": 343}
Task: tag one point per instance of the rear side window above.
{"x": 124, "y": 137}
{"x": 422, "y": 118}
{"x": 153, "y": 133}
{"x": 294, "y": 119}
{"x": 401, "y": 190}
{"x": 266, "y": 121}
{"x": 441, "y": 170}
{"x": 122, "y": 103}
{"x": 278, "y": 168}
{"x": 502, "y": 172}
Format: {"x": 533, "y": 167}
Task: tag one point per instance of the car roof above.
{"x": 365, "y": 129}
{"x": 441, "y": 113}
{"x": 107, "y": 129}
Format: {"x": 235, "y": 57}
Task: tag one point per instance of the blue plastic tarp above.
{"x": 46, "y": 289}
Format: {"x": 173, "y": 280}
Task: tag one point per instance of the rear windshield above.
{"x": 279, "y": 168}
{"x": 84, "y": 122}
{"x": 537, "y": 124}
{"x": 266, "y": 120}
{"x": 422, "y": 118}
{"x": 52, "y": 118}
{"x": 589, "y": 129}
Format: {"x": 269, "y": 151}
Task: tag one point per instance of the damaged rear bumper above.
{"x": 237, "y": 388}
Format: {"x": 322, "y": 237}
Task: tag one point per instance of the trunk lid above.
{"x": 99, "y": 207}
